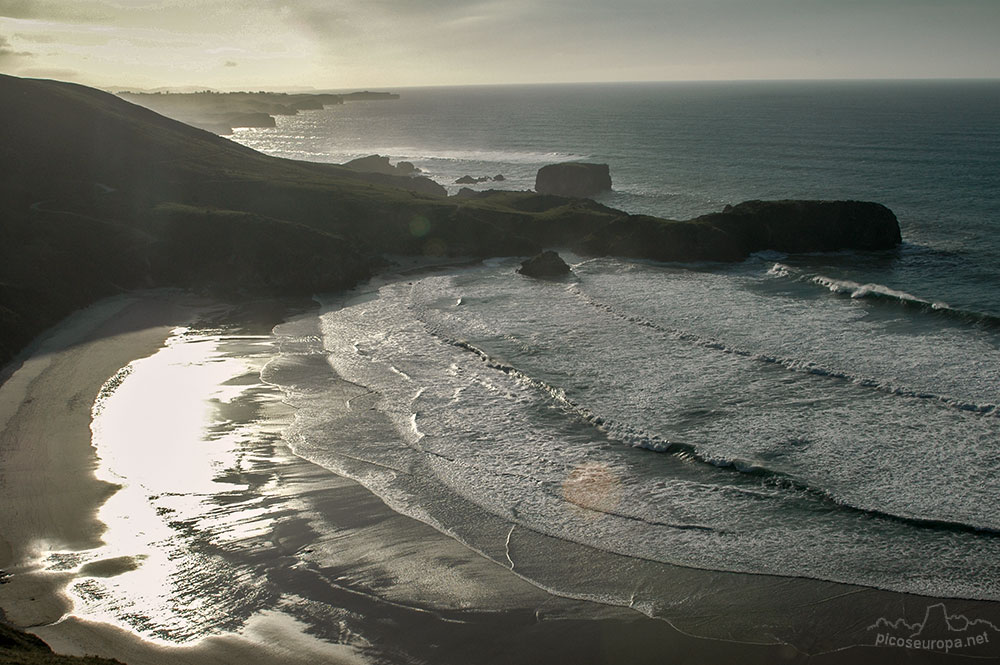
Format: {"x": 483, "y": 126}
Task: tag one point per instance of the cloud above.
{"x": 55, "y": 10}
{"x": 18, "y": 8}
{"x": 36, "y": 38}
{"x": 8, "y": 53}
{"x": 341, "y": 43}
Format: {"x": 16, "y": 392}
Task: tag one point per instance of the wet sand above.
{"x": 50, "y": 496}
{"x": 311, "y": 567}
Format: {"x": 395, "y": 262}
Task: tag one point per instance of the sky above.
{"x": 345, "y": 44}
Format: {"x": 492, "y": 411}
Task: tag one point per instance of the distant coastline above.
{"x": 222, "y": 112}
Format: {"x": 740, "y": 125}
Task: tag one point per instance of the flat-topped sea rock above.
{"x": 575, "y": 179}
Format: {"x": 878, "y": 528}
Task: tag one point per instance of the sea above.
{"x": 828, "y": 416}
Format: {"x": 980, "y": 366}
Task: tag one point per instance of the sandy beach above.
{"x": 286, "y": 562}
{"x": 51, "y": 497}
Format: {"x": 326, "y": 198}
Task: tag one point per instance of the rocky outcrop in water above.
{"x": 470, "y": 180}
{"x": 576, "y": 179}
{"x": 546, "y": 265}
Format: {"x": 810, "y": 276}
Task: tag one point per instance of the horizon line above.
{"x": 192, "y": 88}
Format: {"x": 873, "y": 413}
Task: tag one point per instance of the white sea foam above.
{"x": 526, "y": 394}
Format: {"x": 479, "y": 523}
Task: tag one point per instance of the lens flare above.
{"x": 593, "y": 488}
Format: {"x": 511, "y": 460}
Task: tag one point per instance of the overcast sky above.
{"x": 273, "y": 44}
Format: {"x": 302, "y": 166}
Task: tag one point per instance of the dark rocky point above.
{"x": 548, "y": 264}
{"x": 752, "y": 226}
{"x": 377, "y": 164}
{"x": 576, "y": 179}
{"x": 469, "y": 180}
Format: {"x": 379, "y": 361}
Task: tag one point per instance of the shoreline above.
{"x": 393, "y": 575}
{"x": 51, "y": 496}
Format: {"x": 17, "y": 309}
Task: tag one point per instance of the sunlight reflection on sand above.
{"x": 165, "y": 431}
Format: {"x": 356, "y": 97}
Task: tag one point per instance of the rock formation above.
{"x": 808, "y": 226}
{"x": 379, "y": 164}
{"x": 546, "y": 265}
{"x": 752, "y": 226}
{"x": 577, "y": 179}
{"x": 470, "y": 180}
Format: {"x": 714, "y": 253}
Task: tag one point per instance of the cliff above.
{"x": 101, "y": 196}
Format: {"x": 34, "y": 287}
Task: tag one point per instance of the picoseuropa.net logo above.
{"x": 939, "y": 631}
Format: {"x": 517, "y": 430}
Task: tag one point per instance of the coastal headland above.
{"x": 103, "y": 196}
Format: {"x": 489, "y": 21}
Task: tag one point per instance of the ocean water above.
{"x": 825, "y": 416}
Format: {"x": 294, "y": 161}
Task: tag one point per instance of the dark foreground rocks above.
{"x": 577, "y": 179}
{"x": 546, "y": 265}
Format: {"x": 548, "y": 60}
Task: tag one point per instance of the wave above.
{"x": 794, "y": 364}
{"x": 882, "y": 293}
{"x": 636, "y": 438}
{"x": 785, "y": 480}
